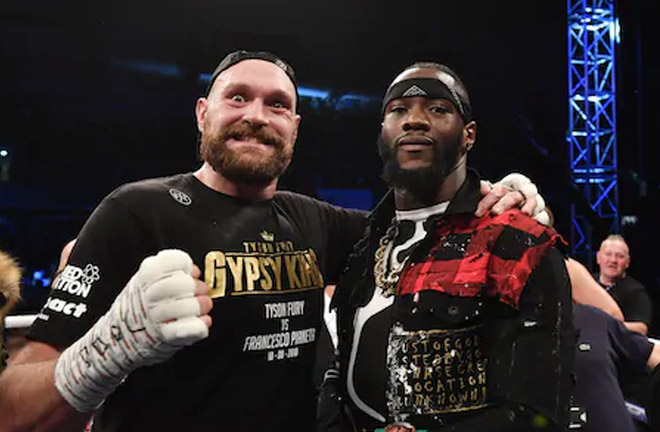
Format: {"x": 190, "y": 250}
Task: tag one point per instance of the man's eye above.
{"x": 397, "y": 110}
{"x": 279, "y": 105}
{"x": 238, "y": 98}
{"x": 439, "y": 109}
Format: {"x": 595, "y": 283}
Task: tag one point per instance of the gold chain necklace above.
{"x": 387, "y": 280}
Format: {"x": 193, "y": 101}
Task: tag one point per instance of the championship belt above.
{"x": 435, "y": 372}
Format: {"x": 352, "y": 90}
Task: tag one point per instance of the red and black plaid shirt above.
{"x": 494, "y": 254}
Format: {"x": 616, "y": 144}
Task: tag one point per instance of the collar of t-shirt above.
{"x": 410, "y": 231}
{"x": 610, "y": 286}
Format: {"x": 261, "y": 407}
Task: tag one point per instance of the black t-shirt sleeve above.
{"x": 345, "y": 227}
{"x": 107, "y": 253}
{"x": 633, "y": 349}
{"x": 332, "y": 229}
{"x": 637, "y": 306}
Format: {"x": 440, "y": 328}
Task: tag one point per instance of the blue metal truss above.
{"x": 593, "y": 31}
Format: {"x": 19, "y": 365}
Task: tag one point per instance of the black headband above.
{"x": 430, "y": 88}
{"x": 238, "y": 56}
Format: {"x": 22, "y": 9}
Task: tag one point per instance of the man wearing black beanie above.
{"x": 447, "y": 321}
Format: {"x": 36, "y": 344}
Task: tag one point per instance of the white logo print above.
{"x": 414, "y": 91}
{"x": 61, "y": 306}
{"x": 90, "y": 274}
{"x": 77, "y": 281}
{"x": 181, "y": 197}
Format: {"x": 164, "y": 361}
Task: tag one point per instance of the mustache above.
{"x": 245, "y": 131}
{"x": 414, "y": 138}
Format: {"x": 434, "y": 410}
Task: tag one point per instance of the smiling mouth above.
{"x": 250, "y": 139}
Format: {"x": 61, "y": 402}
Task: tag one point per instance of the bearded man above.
{"x": 262, "y": 256}
{"x": 447, "y": 321}
{"x": 129, "y": 296}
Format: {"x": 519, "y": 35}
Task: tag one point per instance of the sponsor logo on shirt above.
{"x": 180, "y": 197}
{"x": 77, "y": 281}
{"x": 269, "y": 237}
{"x": 67, "y": 308}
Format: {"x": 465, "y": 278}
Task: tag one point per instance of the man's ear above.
{"x": 297, "y": 119}
{"x": 469, "y": 135}
{"x": 200, "y": 112}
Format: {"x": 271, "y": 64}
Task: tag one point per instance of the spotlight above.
{"x": 5, "y": 163}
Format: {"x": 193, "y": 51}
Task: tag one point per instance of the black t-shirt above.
{"x": 606, "y": 348}
{"x": 265, "y": 262}
{"x": 633, "y": 300}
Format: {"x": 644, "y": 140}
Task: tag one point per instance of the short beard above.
{"x": 423, "y": 183}
{"x": 239, "y": 169}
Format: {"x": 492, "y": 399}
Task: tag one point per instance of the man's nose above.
{"x": 255, "y": 113}
{"x": 416, "y": 120}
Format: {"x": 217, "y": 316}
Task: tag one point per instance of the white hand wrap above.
{"x": 155, "y": 315}
{"x": 522, "y": 184}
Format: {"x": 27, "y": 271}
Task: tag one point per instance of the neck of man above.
{"x": 404, "y": 199}
{"x": 608, "y": 281}
{"x": 216, "y": 181}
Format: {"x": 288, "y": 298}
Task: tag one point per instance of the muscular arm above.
{"x": 28, "y": 395}
{"x": 41, "y": 387}
{"x": 587, "y": 291}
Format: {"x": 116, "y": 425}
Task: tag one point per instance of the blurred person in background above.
{"x": 10, "y": 293}
{"x": 607, "y": 352}
{"x": 613, "y": 259}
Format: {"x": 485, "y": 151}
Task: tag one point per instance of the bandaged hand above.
{"x": 514, "y": 190}
{"x": 162, "y": 309}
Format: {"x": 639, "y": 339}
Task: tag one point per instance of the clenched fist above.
{"x": 162, "y": 309}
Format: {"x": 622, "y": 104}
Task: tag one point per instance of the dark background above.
{"x": 93, "y": 95}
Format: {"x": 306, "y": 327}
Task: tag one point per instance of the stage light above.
{"x": 313, "y": 93}
{"x": 155, "y": 68}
